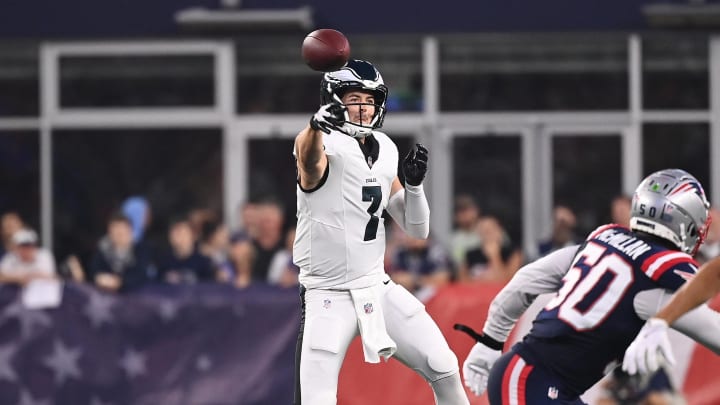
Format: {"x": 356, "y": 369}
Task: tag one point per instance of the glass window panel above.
{"x": 95, "y": 170}
{"x": 133, "y": 81}
{"x": 538, "y": 72}
{"x": 272, "y": 77}
{"x": 19, "y": 80}
{"x": 587, "y": 175}
{"x": 675, "y": 72}
{"x": 684, "y": 146}
{"x": 20, "y": 175}
{"x": 482, "y": 164}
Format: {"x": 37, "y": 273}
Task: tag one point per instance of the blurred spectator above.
{"x": 215, "y": 242}
{"x": 283, "y": 271}
{"x": 421, "y": 266}
{"x": 237, "y": 270}
{"x": 26, "y": 261}
{"x": 248, "y": 218}
{"x": 711, "y": 247}
{"x": 184, "y": 263}
{"x": 620, "y": 210}
{"x": 72, "y": 269}
{"x": 137, "y": 210}
{"x": 563, "y": 233}
{"x": 465, "y": 236}
{"x": 198, "y": 218}
{"x": 622, "y": 389}
{"x": 119, "y": 263}
{"x": 268, "y": 238}
{"x": 10, "y": 222}
{"x": 496, "y": 260}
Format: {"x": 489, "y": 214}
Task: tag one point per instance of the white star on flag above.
{"x": 168, "y": 310}
{"x": 97, "y": 401}
{"x": 99, "y": 308}
{"x": 133, "y": 362}
{"x": 29, "y": 318}
{"x": 64, "y": 362}
{"x": 203, "y": 363}
{"x": 27, "y": 399}
{"x": 6, "y": 370}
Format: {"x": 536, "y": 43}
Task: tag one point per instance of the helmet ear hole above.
{"x": 692, "y": 231}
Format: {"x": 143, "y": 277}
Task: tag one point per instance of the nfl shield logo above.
{"x": 326, "y": 303}
{"x": 553, "y": 393}
{"x": 368, "y": 308}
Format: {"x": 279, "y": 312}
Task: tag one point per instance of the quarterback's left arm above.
{"x": 408, "y": 206}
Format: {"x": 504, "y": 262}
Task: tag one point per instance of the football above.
{"x": 325, "y": 50}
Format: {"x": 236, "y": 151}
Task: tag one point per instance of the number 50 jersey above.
{"x": 340, "y": 235}
{"x": 592, "y": 320}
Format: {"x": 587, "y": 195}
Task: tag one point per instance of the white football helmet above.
{"x": 356, "y": 74}
{"x": 672, "y": 205}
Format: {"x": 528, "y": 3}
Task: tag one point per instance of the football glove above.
{"x": 415, "y": 165}
{"x": 330, "y": 116}
{"x": 480, "y": 360}
{"x": 650, "y": 347}
{"x": 476, "y": 367}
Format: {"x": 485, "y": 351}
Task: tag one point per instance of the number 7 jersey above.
{"x": 592, "y": 319}
{"x": 340, "y": 235}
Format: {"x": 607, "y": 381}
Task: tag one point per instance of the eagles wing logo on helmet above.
{"x": 361, "y": 75}
{"x": 672, "y": 205}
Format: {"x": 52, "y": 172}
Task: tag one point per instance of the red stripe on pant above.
{"x": 519, "y": 385}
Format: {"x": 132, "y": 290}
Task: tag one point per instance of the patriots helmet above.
{"x": 356, "y": 75}
{"x": 671, "y": 204}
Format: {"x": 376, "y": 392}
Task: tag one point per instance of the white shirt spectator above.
{"x": 26, "y": 259}
{"x": 44, "y": 263}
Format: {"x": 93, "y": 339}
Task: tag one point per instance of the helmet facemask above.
{"x": 367, "y": 123}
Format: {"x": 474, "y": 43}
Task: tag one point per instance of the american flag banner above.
{"x": 185, "y": 345}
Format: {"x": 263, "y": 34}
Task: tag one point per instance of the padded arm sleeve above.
{"x": 409, "y": 208}
{"x": 701, "y": 324}
{"x": 541, "y": 276}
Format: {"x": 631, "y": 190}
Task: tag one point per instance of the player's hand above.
{"x": 476, "y": 368}
{"x": 330, "y": 116}
{"x": 415, "y": 165}
{"x": 646, "y": 353}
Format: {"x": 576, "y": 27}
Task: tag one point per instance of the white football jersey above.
{"x": 340, "y": 235}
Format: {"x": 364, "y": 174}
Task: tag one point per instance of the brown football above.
{"x": 325, "y": 50}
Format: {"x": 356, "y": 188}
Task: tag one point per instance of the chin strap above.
{"x": 484, "y": 339}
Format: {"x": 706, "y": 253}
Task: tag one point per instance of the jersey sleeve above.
{"x": 601, "y": 229}
{"x": 329, "y": 144}
{"x": 670, "y": 268}
{"x": 541, "y": 276}
{"x": 701, "y": 324}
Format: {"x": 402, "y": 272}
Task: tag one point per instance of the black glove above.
{"x": 415, "y": 165}
{"x": 328, "y": 117}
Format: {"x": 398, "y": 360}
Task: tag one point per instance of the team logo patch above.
{"x": 327, "y": 303}
{"x": 368, "y": 308}
{"x": 553, "y": 393}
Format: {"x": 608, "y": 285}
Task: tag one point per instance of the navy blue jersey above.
{"x": 591, "y": 321}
